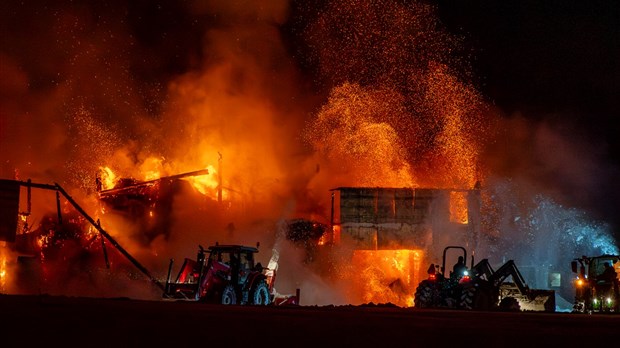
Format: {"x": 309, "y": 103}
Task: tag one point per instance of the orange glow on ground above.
{"x": 386, "y": 276}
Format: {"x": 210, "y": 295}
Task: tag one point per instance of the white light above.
{"x": 465, "y": 273}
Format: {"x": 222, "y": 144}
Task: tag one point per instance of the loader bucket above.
{"x": 537, "y": 301}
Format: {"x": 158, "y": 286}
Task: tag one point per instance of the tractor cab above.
{"x": 233, "y": 262}
{"x": 227, "y": 274}
{"x": 593, "y": 290}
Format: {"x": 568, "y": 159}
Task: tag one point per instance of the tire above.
{"x": 467, "y": 297}
{"x": 509, "y": 304}
{"x": 425, "y": 295}
{"x": 260, "y": 294}
{"x": 229, "y": 297}
{"x": 476, "y": 297}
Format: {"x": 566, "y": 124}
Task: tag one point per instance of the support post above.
{"x": 109, "y": 238}
{"x": 105, "y": 251}
{"x": 58, "y": 210}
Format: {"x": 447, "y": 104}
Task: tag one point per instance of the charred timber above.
{"x": 113, "y": 191}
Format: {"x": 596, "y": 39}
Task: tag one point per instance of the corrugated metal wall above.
{"x": 386, "y": 218}
{"x": 389, "y": 218}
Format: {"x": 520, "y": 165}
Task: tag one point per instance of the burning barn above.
{"x": 147, "y": 203}
{"x": 393, "y": 119}
{"x": 388, "y": 218}
{"x": 67, "y": 252}
{"x": 394, "y": 231}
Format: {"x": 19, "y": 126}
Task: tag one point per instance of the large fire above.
{"x": 375, "y": 95}
{"x": 386, "y": 276}
{"x": 205, "y": 183}
{"x": 403, "y": 123}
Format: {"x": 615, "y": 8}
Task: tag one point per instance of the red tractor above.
{"x": 228, "y": 275}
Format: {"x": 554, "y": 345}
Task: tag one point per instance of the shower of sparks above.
{"x": 351, "y": 129}
{"x": 399, "y": 113}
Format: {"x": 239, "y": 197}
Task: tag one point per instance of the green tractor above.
{"x": 480, "y": 288}
{"x": 594, "y": 290}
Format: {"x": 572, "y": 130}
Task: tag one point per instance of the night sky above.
{"x": 541, "y": 58}
{"x": 547, "y": 58}
{"x": 552, "y": 61}
{"x": 557, "y": 61}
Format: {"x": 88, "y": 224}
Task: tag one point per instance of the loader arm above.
{"x": 483, "y": 268}
{"x": 507, "y": 270}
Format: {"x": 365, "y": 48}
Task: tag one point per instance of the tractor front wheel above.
{"x": 477, "y": 297}
{"x": 509, "y": 304}
{"x": 260, "y": 294}
{"x": 229, "y": 297}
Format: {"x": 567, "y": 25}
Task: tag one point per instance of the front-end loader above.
{"x": 481, "y": 288}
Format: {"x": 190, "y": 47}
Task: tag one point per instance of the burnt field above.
{"x": 42, "y": 320}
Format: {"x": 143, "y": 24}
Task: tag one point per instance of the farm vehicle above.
{"x": 480, "y": 288}
{"x": 596, "y": 290}
{"x": 227, "y": 274}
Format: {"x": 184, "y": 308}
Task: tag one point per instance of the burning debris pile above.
{"x": 66, "y": 254}
{"x": 146, "y": 203}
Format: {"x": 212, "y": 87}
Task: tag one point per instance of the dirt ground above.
{"x": 46, "y": 321}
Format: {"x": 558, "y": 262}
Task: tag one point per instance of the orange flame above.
{"x": 107, "y": 177}
{"x": 151, "y": 168}
{"x": 458, "y": 207}
{"x": 387, "y": 276}
{"x": 3, "y": 273}
{"x": 205, "y": 184}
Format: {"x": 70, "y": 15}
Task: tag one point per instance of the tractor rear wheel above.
{"x": 425, "y": 295}
{"x": 229, "y": 297}
{"x": 260, "y": 294}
